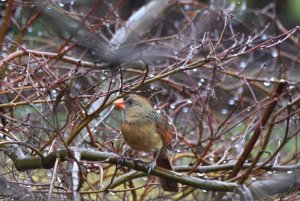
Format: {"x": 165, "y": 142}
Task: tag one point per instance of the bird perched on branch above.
{"x": 145, "y": 129}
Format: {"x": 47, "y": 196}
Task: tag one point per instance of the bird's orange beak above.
{"x": 120, "y": 104}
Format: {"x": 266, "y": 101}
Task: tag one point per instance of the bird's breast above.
{"x": 141, "y": 136}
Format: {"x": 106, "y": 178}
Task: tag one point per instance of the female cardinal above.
{"x": 145, "y": 129}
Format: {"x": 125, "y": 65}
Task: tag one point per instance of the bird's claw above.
{"x": 121, "y": 161}
{"x": 123, "y": 157}
{"x": 151, "y": 166}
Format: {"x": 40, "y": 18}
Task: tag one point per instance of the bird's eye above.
{"x": 129, "y": 101}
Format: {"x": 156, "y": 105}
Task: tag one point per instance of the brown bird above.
{"x": 145, "y": 129}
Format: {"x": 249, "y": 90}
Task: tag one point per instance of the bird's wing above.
{"x": 163, "y": 129}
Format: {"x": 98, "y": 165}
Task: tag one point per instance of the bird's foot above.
{"x": 123, "y": 157}
{"x": 121, "y": 162}
{"x": 151, "y": 166}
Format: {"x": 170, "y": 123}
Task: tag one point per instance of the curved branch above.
{"x": 29, "y": 163}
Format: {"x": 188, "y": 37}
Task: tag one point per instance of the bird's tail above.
{"x": 164, "y": 162}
